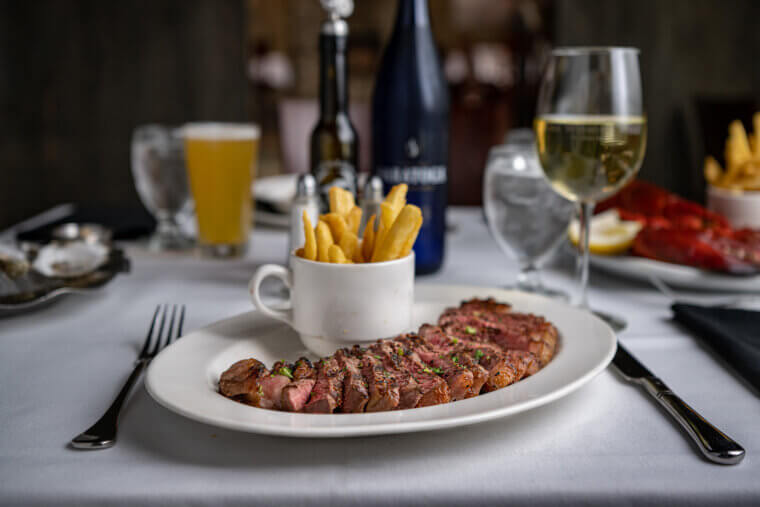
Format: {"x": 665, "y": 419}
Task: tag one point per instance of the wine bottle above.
{"x": 334, "y": 142}
{"x": 410, "y": 126}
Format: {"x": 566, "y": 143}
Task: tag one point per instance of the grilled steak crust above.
{"x": 478, "y": 347}
{"x": 355, "y": 393}
{"x": 328, "y": 388}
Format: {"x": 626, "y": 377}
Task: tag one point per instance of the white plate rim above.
{"x": 639, "y": 268}
{"x": 422, "y": 419}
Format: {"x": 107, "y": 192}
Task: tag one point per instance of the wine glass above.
{"x": 526, "y": 217}
{"x": 158, "y": 168}
{"x": 591, "y": 131}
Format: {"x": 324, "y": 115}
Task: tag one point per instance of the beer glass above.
{"x": 221, "y": 164}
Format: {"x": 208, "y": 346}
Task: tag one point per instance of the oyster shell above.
{"x": 71, "y": 259}
{"x": 12, "y": 261}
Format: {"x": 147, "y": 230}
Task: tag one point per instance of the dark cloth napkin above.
{"x": 732, "y": 333}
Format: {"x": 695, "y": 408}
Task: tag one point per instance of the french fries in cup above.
{"x": 387, "y": 237}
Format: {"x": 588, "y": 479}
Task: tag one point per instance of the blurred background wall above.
{"x": 76, "y": 77}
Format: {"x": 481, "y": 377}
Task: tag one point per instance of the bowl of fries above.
{"x": 346, "y": 289}
{"x": 735, "y": 191}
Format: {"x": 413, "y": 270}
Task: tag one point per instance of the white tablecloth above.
{"x": 60, "y": 367}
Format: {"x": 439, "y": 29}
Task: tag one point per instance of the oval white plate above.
{"x": 638, "y": 268}
{"x": 184, "y": 376}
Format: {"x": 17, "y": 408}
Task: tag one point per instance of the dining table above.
{"x": 607, "y": 443}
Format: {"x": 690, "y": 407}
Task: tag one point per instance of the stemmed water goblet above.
{"x": 526, "y": 217}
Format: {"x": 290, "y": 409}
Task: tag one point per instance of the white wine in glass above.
{"x": 591, "y": 132}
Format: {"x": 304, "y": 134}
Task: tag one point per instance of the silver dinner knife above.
{"x": 714, "y": 444}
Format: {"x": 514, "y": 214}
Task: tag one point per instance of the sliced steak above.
{"x": 458, "y": 377}
{"x": 383, "y": 389}
{"x": 296, "y": 394}
{"x": 510, "y": 331}
{"x": 432, "y": 388}
{"x": 355, "y": 393}
{"x": 328, "y": 388}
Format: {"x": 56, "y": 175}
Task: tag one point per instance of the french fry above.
{"x": 756, "y": 136}
{"x": 310, "y": 244}
{"x": 713, "y": 171}
{"x": 354, "y": 219}
{"x": 348, "y": 243}
{"x": 299, "y": 252}
{"x": 358, "y": 255}
{"x": 341, "y": 201}
{"x": 737, "y": 146}
{"x": 336, "y": 255}
{"x": 411, "y": 238}
{"x": 387, "y": 217}
{"x": 324, "y": 241}
{"x": 397, "y": 197}
{"x": 368, "y": 242}
{"x": 337, "y": 225}
{"x": 398, "y": 235}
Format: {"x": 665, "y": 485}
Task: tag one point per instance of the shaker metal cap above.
{"x": 306, "y": 185}
{"x": 336, "y": 11}
{"x": 373, "y": 189}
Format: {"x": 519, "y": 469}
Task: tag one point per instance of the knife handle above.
{"x": 714, "y": 444}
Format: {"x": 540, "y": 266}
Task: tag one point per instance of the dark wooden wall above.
{"x": 691, "y": 51}
{"x": 77, "y": 76}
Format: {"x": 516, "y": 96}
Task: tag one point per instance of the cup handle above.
{"x": 254, "y": 287}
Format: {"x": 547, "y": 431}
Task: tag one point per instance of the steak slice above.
{"x": 383, "y": 389}
{"x": 355, "y": 393}
{"x": 433, "y": 389}
{"x": 458, "y": 377}
{"x": 296, "y": 394}
{"x": 250, "y": 382}
{"x": 477, "y": 307}
{"x": 328, "y": 388}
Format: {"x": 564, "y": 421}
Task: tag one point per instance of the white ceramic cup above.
{"x": 339, "y": 305}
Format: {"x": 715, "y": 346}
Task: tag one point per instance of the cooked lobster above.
{"x": 683, "y": 232}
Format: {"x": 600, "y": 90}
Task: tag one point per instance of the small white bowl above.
{"x": 741, "y": 208}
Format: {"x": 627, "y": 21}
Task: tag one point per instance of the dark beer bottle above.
{"x": 334, "y": 142}
{"x": 410, "y": 126}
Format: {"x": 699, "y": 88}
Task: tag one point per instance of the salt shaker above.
{"x": 372, "y": 197}
{"x": 306, "y": 199}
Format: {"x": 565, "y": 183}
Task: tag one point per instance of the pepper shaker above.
{"x": 306, "y": 199}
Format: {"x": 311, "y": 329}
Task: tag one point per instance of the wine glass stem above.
{"x": 529, "y": 278}
{"x": 586, "y": 210}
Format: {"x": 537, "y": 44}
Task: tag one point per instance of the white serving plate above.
{"x": 184, "y": 376}
{"x": 639, "y": 268}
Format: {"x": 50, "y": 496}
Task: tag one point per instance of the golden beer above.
{"x": 221, "y": 163}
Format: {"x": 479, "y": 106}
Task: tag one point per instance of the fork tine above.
{"x": 146, "y": 345}
{"x": 181, "y": 321}
{"x": 157, "y": 345}
{"x": 169, "y": 336}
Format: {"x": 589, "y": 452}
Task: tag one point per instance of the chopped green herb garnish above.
{"x": 437, "y": 370}
{"x": 478, "y": 354}
{"x": 400, "y": 351}
{"x": 261, "y": 391}
{"x": 470, "y": 330}
{"x": 455, "y": 340}
{"x": 455, "y": 359}
{"x": 285, "y": 371}
{"x": 427, "y": 370}
{"x": 378, "y": 357}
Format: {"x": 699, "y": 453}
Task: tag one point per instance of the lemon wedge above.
{"x": 609, "y": 234}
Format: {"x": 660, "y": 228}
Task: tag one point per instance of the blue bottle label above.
{"x": 417, "y": 175}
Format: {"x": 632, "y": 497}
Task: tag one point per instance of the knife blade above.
{"x": 713, "y": 443}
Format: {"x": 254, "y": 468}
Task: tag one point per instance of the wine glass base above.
{"x": 174, "y": 242}
{"x": 222, "y": 250}
{"x": 617, "y": 323}
{"x": 542, "y": 291}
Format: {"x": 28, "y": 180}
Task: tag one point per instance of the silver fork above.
{"x": 102, "y": 434}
